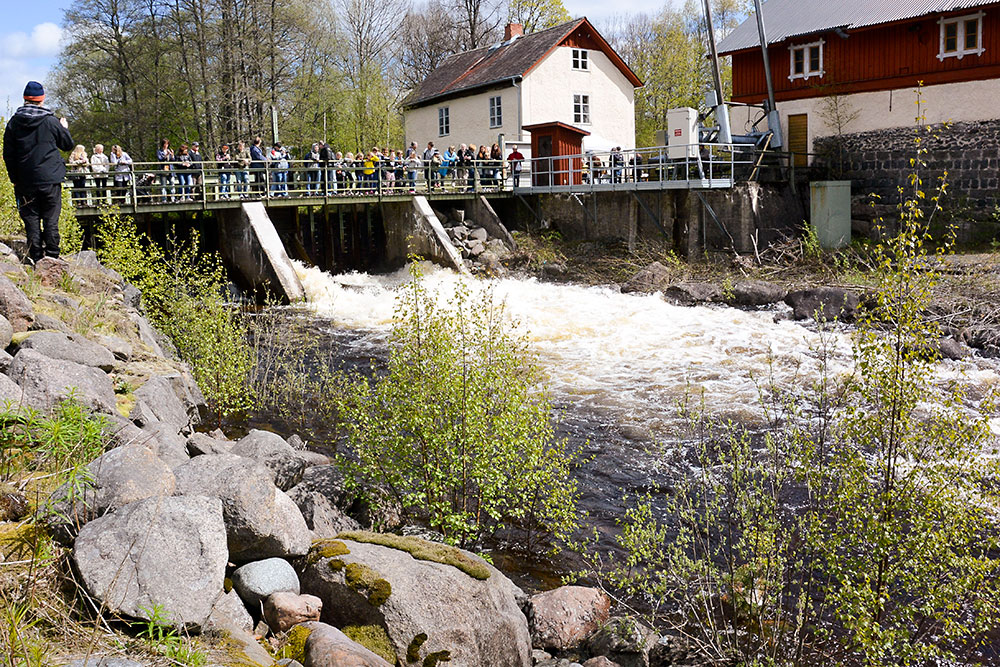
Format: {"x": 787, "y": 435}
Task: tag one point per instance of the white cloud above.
{"x": 43, "y": 42}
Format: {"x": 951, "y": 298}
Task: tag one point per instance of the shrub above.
{"x": 458, "y": 430}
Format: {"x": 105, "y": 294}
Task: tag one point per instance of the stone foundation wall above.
{"x": 878, "y": 162}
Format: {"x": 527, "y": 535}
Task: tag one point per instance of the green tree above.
{"x": 458, "y": 431}
{"x": 537, "y": 15}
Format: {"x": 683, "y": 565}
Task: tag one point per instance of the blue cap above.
{"x": 34, "y": 91}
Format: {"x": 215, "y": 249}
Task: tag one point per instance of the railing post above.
{"x": 204, "y": 184}
{"x": 131, "y": 180}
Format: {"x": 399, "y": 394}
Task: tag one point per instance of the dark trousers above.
{"x": 39, "y": 207}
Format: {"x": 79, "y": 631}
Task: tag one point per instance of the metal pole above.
{"x": 773, "y": 121}
{"x": 722, "y": 116}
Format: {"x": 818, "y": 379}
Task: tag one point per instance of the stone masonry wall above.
{"x": 877, "y": 162}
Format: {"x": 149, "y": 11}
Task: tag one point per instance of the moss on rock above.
{"x": 374, "y": 638}
{"x": 326, "y": 549}
{"x": 423, "y": 550}
{"x": 294, "y": 646}
{"x": 367, "y": 581}
{"x": 433, "y": 659}
{"x": 413, "y": 650}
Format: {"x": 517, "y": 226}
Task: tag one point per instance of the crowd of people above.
{"x": 253, "y": 170}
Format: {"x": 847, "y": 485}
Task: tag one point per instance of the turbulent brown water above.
{"x": 617, "y": 366}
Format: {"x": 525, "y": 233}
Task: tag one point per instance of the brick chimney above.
{"x": 512, "y": 30}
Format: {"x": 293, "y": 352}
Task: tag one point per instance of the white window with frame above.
{"x": 581, "y": 108}
{"x": 444, "y": 122}
{"x": 496, "y": 112}
{"x": 581, "y": 59}
{"x": 961, "y": 36}
{"x": 805, "y": 60}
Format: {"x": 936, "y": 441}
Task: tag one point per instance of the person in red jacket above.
{"x": 31, "y": 145}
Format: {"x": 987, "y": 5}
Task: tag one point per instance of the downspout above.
{"x": 513, "y": 82}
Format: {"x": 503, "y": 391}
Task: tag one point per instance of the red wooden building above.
{"x": 867, "y": 57}
{"x": 555, "y": 140}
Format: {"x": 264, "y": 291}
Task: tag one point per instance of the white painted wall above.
{"x": 955, "y": 102}
{"x": 548, "y": 96}
{"x": 470, "y": 120}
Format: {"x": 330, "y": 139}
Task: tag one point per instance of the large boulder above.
{"x": 10, "y": 393}
{"x": 200, "y": 444}
{"x": 276, "y": 455}
{"x": 444, "y": 603}
{"x": 163, "y": 438}
{"x": 255, "y": 581}
{"x": 6, "y": 332}
{"x": 229, "y": 612}
{"x": 261, "y": 521}
{"x": 563, "y": 617}
{"x": 650, "y": 279}
{"x": 327, "y": 646}
{"x": 824, "y": 303}
{"x": 50, "y": 270}
{"x": 323, "y": 517}
{"x": 70, "y": 347}
{"x": 688, "y": 293}
{"x": 119, "y": 477}
{"x": 168, "y": 399}
{"x": 165, "y": 551}
{"x": 328, "y": 481}
{"x": 47, "y": 381}
{"x": 751, "y": 293}
{"x": 624, "y": 640}
{"x": 285, "y": 609}
{"x": 15, "y": 306}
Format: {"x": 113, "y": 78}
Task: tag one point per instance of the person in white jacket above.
{"x": 99, "y": 165}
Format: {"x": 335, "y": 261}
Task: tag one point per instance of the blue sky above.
{"x": 30, "y": 38}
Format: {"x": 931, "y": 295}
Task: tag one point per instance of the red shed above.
{"x": 554, "y": 140}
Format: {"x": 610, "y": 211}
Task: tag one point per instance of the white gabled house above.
{"x": 567, "y": 74}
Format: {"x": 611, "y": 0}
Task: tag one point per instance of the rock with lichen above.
{"x": 435, "y": 603}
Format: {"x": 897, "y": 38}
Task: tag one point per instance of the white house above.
{"x": 567, "y": 73}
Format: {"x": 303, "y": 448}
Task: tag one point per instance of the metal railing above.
{"x": 210, "y": 182}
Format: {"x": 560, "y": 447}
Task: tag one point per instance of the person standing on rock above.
{"x": 31, "y": 145}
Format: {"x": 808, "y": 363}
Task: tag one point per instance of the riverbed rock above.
{"x": 323, "y": 517}
{"x": 624, "y": 640}
{"x": 479, "y": 234}
{"x": 102, "y": 661}
{"x": 45, "y": 322}
{"x": 650, "y": 279}
{"x": 70, "y": 347}
{"x": 689, "y": 293}
{"x": 950, "y": 348}
{"x": 47, "y": 381}
{"x": 329, "y": 647}
{"x": 10, "y": 393}
{"x": 277, "y": 456}
{"x": 168, "y": 399}
{"x": 167, "y": 443}
{"x": 600, "y": 661}
{"x": 465, "y": 610}
{"x": 15, "y": 306}
{"x": 326, "y": 480}
{"x": 119, "y": 477}
{"x": 165, "y": 551}
{"x": 227, "y": 612}
{"x": 6, "y": 332}
{"x": 200, "y": 443}
{"x": 753, "y": 293}
{"x": 261, "y": 521}
{"x": 255, "y": 581}
{"x": 824, "y": 303}
{"x": 563, "y": 617}
{"x": 285, "y": 609}
{"x": 50, "y": 270}
{"x": 119, "y": 347}
{"x": 5, "y": 360}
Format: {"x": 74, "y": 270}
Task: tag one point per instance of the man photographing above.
{"x": 31, "y": 145}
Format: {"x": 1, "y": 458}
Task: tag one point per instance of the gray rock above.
{"x": 289, "y": 662}
{"x": 329, "y": 647}
{"x": 5, "y": 360}
{"x": 600, "y": 661}
{"x": 624, "y": 640}
{"x": 650, "y": 279}
{"x": 326, "y": 480}
{"x": 47, "y": 381}
{"x": 6, "y": 332}
{"x": 157, "y": 401}
{"x": 165, "y": 551}
{"x": 103, "y": 661}
{"x": 284, "y": 609}
{"x": 255, "y": 581}
{"x": 45, "y": 322}
{"x": 824, "y": 303}
{"x": 168, "y": 445}
{"x": 261, "y": 521}
{"x": 132, "y": 297}
{"x": 119, "y": 476}
{"x": 146, "y": 333}
{"x": 692, "y": 292}
{"x": 498, "y": 248}
{"x": 478, "y": 622}
{"x": 313, "y": 459}
{"x": 119, "y": 347}
{"x": 491, "y": 263}
{"x": 120, "y": 432}
{"x": 200, "y": 444}
{"x": 756, "y": 293}
{"x": 476, "y": 248}
{"x": 953, "y": 349}
{"x": 70, "y": 347}
{"x": 479, "y": 234}
{"x": 296, "y": 442}
{"x": 276, "y": 455}
{"x": 229, "y": 611}
{"x": 87, "y": 259}
{"x": 10, "y": 393}
{"x": 239, "y": 643}
{"x": 15, "y": 306}
{"x": 323, "y": 517}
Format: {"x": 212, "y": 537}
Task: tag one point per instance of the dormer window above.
{"x": 961, "y": 36}
{"x": 581, "y": 59}
{"x": 806, "y": 60}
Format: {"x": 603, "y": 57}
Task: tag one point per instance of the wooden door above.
{"x": 798, "y": 138}
{"x": 541, "y": 168}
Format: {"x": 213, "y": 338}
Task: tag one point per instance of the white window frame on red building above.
{"x": 960, "y": 32}
{"x": 807, "y": 73}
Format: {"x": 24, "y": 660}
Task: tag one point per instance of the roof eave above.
{"x": 461, "y": 92}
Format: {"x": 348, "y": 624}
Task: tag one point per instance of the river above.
{"x": 619, "y": 364}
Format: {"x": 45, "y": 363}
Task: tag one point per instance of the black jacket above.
{"x": 31, "y": 145}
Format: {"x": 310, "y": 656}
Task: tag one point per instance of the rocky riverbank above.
{"x": 250, "y": 550}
